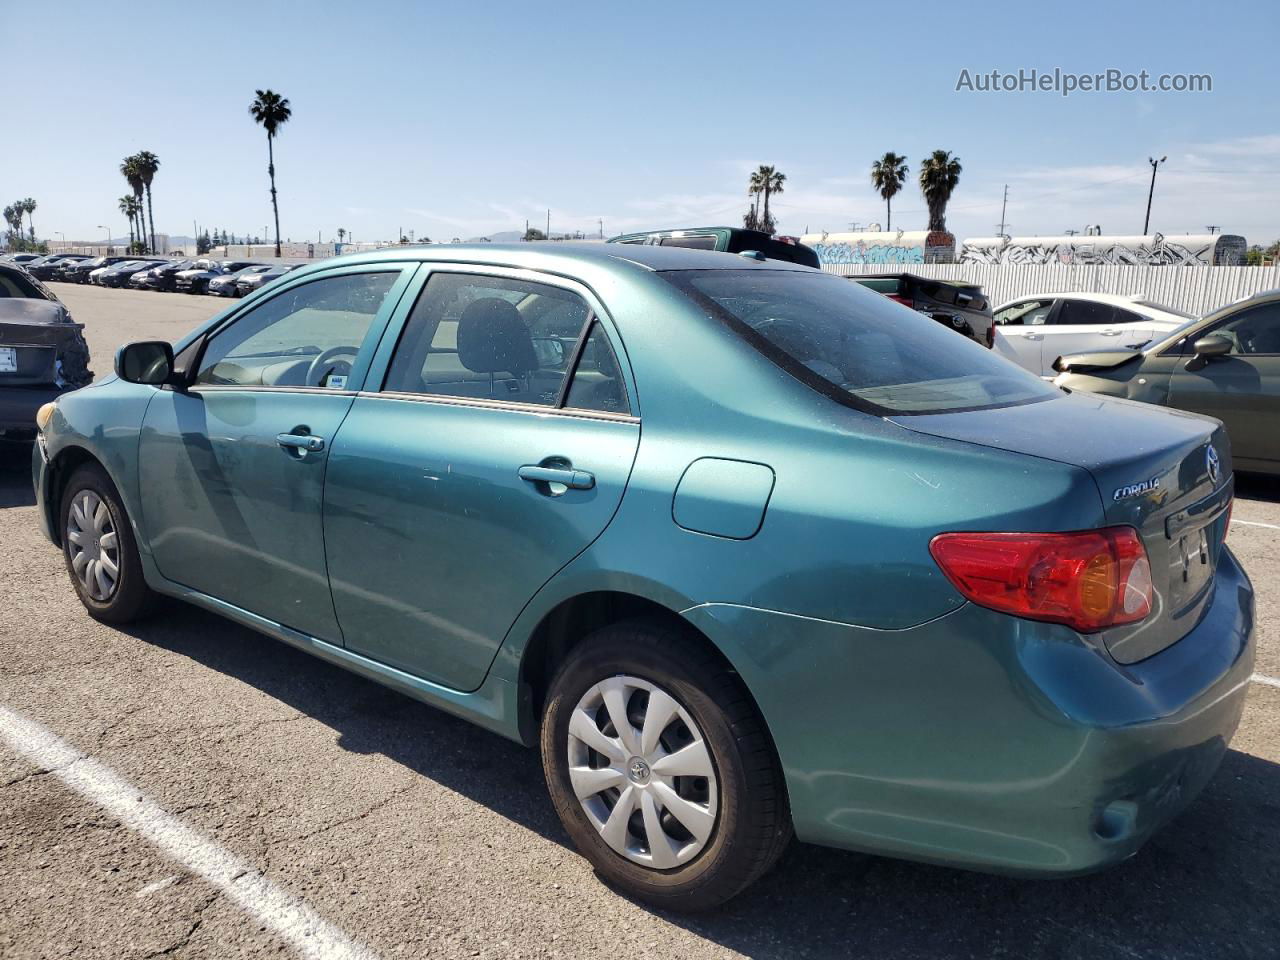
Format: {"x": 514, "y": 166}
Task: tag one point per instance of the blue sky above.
{"x": 465, "y": 119}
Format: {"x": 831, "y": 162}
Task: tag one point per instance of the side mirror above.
{"x": 1212, "y": 346}
{"x": 147, "y": 361}
{"x": 549, "y": 351}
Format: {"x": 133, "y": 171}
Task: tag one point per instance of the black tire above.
{"x": 753, "y": 822}
{"x": 131, "y": 599}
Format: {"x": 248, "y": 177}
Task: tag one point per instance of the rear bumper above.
{"x": 18, "y": 406}
{"x": 982, "y": 741}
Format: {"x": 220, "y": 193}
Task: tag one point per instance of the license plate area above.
{"x": 1192, "y": 566}
{"x": 8, "y": 360}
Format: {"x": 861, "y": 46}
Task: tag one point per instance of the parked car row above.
{"x": 223, "y": 278}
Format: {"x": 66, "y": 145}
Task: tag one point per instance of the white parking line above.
{"x": 285, "y": 915}
{"x": 1255, "y": 523}
{"x": 1263, "y": 678}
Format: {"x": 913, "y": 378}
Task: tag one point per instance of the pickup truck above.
{"x": 961, "y": 306}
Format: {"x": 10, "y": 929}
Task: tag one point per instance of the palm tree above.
{"x": 887, "y": 176}
{"x": 28, "y": 207}
{"x": 13, "y": 217}
{"x": 148, "y": 166}
{"x": 271, "y": 110}
{"x": 939, "y": 174}
{"x": 129, "y": 207}
{"x": 342, "y": 234}
{"x": 131, "y": 170}
{"x": 771, "y": 182}
{"x": 755, "y": 187}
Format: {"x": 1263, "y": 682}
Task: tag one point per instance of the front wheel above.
{"x": 99, "y": 548}
{"x": 661, "y": 769}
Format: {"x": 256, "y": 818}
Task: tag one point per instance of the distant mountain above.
{"x": 505, "y": 236}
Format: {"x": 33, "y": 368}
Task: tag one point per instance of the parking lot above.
{"x": 395, "y": 830}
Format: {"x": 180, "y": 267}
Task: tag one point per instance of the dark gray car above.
{"x": 42, "y": 352}
{"x": 1226, "y": 365}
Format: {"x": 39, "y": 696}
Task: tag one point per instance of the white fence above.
{"x": 1196, "y": 290}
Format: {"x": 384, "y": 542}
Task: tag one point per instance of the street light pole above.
{"x": 1155, "y": 165}
{"x": 107, "y": 245}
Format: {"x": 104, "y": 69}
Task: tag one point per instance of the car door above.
{"x": 494, "y": 452}
{"x": 1242, "y": 388}
{"x": 232, "y": 467}
{"x": 1020, "y": 330}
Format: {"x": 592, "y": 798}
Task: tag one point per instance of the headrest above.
{"x": 493, "y": 339}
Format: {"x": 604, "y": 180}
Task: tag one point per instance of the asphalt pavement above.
{"x": 188, "y": 788}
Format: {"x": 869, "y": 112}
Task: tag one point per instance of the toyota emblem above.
{"x": 1213, "y": 464}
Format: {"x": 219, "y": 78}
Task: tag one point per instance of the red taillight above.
{"x": 1089, "y": 581}
{"x": 897, "y": 299}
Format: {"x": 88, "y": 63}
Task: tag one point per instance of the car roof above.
{"x": 553, "y": 255}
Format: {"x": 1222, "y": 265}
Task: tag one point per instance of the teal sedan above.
{"x": 748, "y": 552}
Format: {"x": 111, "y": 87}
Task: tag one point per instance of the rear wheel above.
{"x": 99, "y": 549}
{"x": 660, "y": 768}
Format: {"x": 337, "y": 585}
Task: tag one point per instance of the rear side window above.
{"x": 597, "y": 380}
{"x": 856, "y": 346}
{"x": 21, "y": 285}
{"x": 492, "y": 338}
{"x": 1081, "y": 312}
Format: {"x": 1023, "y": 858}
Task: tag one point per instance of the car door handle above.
{"x": 301, "y": 441}
{"x": 573, "y": 479}
{"x": 1111, "y": 333}
{"x": 1035, "y": 336}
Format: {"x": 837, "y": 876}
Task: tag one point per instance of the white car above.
{"x": 1034, "y": 331}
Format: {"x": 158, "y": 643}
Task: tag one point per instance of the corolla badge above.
{"x": 1136, "y": 489}
{"x": 1213, "y": 464}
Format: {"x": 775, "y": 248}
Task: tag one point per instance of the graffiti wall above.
{"x": 1151, "y": 250}
{"x": 889, "y": 247}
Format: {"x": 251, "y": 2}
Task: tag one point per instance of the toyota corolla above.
{"x": 746, "y": 550}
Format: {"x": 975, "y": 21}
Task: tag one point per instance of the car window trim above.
{"x": 490, "y": 403}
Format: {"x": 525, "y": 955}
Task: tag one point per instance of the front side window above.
{"x": 1084, "y": 312}
{"x": 308, "y": 336}
{"x": 1255, "y": 331}
{"x": 1028, "y": 313}
{"x": 858, "y": 347}
{"x": 493, "y": 338}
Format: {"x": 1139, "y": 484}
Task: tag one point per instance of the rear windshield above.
{"x": 857, "y": 346}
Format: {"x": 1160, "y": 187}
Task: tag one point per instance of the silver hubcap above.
{"x": 95, "y": 551}
{"x": 642, "y": 772}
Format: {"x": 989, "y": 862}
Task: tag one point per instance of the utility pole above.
{"x": 1155, "y": 165}
{"x": 548, "y": 223}
{"x": 1213, "y": 228}
{"x": 601, "y": 222}
{"x": 1003, "y": 204}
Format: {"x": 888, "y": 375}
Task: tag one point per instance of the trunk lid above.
{"x": 1099, "y": 359}
{"x": 33, "y": 337}
{"x": 1164, "y": 472}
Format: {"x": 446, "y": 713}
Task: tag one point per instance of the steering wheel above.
{"x": 317, "y": 372}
